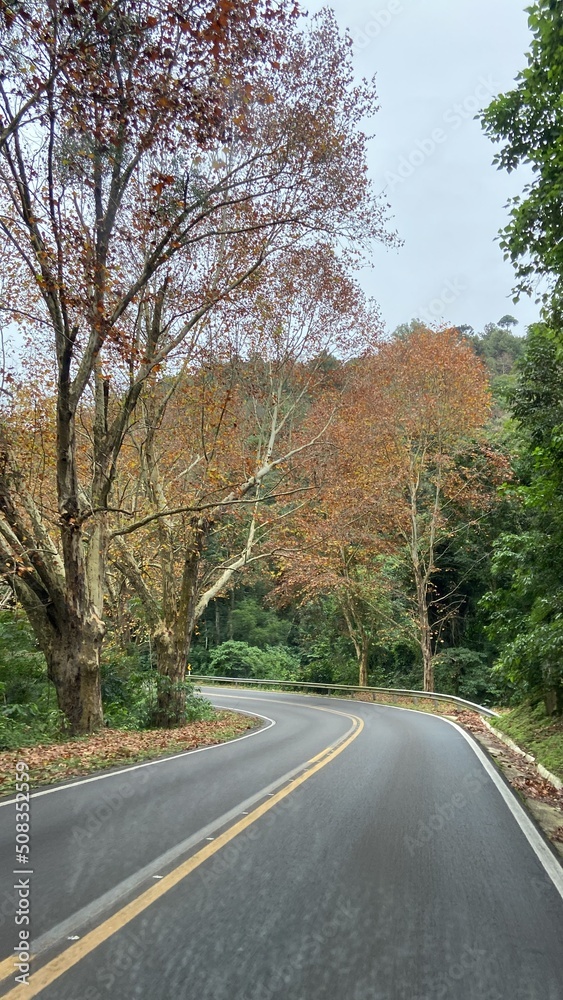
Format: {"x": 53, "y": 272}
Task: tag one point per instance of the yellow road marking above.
{"x": 7, "y": 966}
{"x": 75, "y": 953}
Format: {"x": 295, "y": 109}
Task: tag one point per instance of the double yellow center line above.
{"x": 76, "y": 952}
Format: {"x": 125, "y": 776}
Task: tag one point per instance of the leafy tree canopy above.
{"x": 528, "y": 121}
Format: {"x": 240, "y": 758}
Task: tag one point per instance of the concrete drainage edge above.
{"x": 542, "y": 771}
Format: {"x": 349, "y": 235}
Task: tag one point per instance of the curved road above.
{"x": 346, "y": 851}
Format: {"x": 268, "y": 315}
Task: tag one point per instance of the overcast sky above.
{"x": 437, "y": 62}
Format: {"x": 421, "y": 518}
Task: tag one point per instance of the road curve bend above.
{"x": 345, "y": 850}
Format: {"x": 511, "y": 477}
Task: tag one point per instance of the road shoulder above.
{"x": 538, "y": 794}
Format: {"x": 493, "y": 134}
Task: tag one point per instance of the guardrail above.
{"x": 256, "y": 682}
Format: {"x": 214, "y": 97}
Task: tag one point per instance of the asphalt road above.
{"x": 396, "y": 866}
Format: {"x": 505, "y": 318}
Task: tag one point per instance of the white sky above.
{"x": 430, "y": 56}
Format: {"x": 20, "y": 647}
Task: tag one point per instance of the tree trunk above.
{"x": 70, "y": 635}
{"x": 230, "y": 618}
{"x": 423, "y": 569}
{"x": 171, "y": 660}
{"x": 553, "y": 700}
{"x": 428, "y": 664}
{"x": 364, "y": 655}
{"x": 360, "y": 641}
{"x": 74, "y": 660}
{"x": 425, "y": 639}
{"x": 424, "y": 630}
{"x": 217, "y": 623}
{"x": 55, "y": 596}
{"x": 72, "y": 646}
{"x": 174, "y": 636}
{"x": 74, "y": 668}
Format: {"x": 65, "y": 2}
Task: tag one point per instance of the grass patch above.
{"x": 55, "y": 761}
{"x": 537, "y": 733}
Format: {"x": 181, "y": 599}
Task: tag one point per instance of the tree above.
{"x": 419, "y": 406}
{"x": 358, "y": 588}
{"x": 335, "y": 548}
{"x": 178, "y": 148}
{"x": 499, "y": 348}
{"x": 406, "y": 470}
{"x": 222, "y": 452}
{"x": 525, "y": 605}
{"x": 70, "y": 182}
{"x": 528, "y": 120}
{"x": 18, "y": 20}
{"x": 239, "y": 659}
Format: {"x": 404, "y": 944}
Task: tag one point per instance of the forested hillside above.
{"x": 212, "y": 454}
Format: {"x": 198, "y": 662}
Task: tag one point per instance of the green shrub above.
{"x": 28, "y": 712}
{"x": 239, "y": 659}
{"x": 130, "y": 691}
{"x": 259, "y": 625}
{"x": 23, "y": 670}
{"x": 466, "y": 673}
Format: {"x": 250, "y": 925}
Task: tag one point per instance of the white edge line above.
{"x": 150, "y": 763}
{"x": 544, "y": 854}
{"x": 536, "y": 841}
{"x": 164, "y": 760}
{"x": 96, "y": 909}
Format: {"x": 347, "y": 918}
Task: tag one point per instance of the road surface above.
{"x": 346, "y": 851}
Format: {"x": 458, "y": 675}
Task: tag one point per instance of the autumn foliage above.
{"x": 406, "y": 463}
{"x": 153, "y": 162}
{"x": 183, "y": 198}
